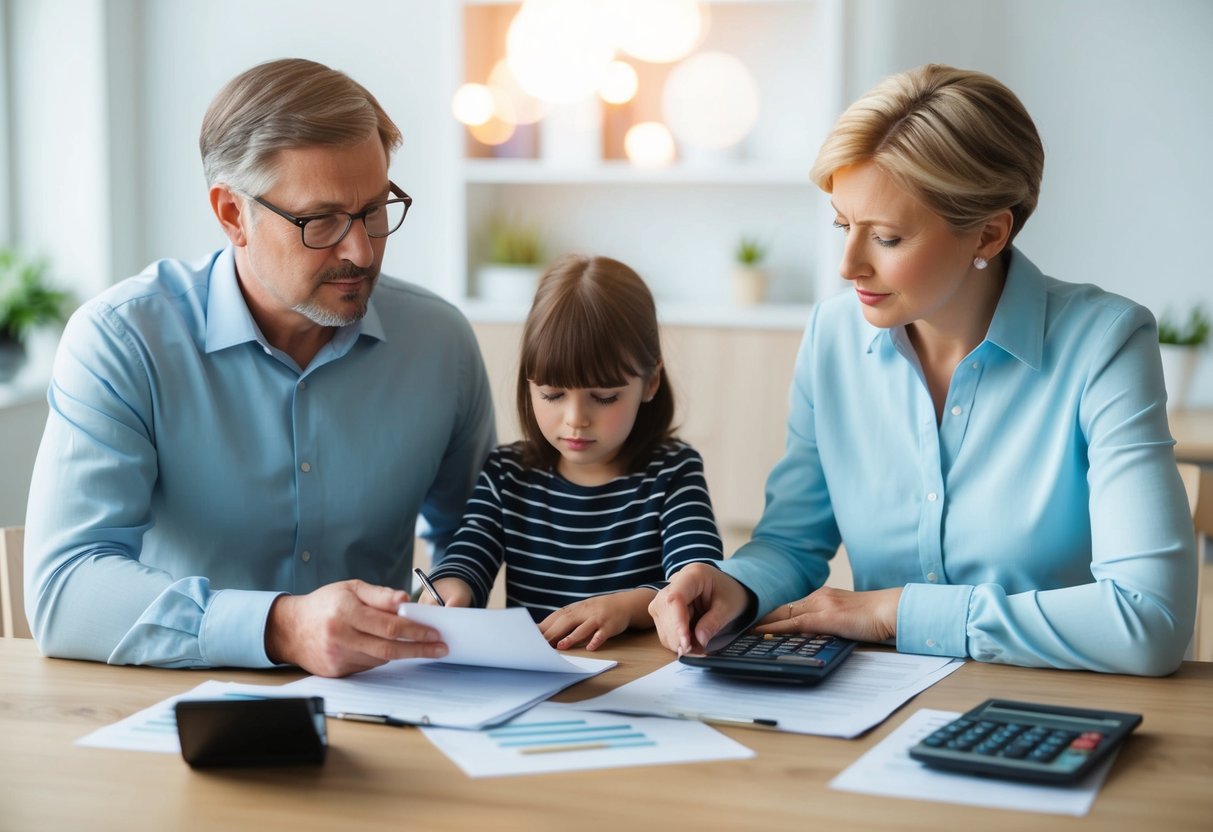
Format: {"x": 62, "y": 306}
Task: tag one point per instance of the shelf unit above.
{"x": 677, "y": 225}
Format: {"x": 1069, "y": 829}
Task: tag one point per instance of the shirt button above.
{"x": 305, "y": 557}
{"x": 976, "y": 365}
{"x": 930, "y": 642}
{"x": 956, "y": 411}
{"x": 305, "y": 467}
{"x": 932, "y": 577}
{"x": 303, "y": 385}
{"x": 932, "y": 497}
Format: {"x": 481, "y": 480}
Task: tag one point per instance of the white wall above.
{"x": 1120, "y": 92}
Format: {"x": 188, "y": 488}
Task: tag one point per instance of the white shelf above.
{"x": 771, "y": 316}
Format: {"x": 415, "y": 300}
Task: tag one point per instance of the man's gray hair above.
{"x": 283, "y": 105}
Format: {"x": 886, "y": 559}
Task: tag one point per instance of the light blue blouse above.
{"x": 1043, "y": 523}
{"x": 190, "y": 472}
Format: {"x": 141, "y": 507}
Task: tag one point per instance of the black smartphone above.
{"x": 252, "y": 732}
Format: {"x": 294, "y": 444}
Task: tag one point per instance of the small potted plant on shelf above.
{"x": 1179, "y": 341}
{"x": 513, "y": 263}
{"x": 26, "y": 302}
{"x": 750, "y": 278}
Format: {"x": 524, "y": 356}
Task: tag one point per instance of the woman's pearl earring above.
{"x": 980, "y": 262}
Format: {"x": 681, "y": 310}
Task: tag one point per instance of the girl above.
{"x": 598, "y": 504}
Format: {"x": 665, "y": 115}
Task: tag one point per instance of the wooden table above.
{"x": 388, "y": 778}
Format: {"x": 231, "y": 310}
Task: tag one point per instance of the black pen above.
{"x": 377, "y": 719}
{"x": 738, "y": 721}
{"x": 429, "y": 587}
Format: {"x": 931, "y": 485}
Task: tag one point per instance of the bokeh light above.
{"x": 473, "y": 104}
{"x": 513, "y": 103}
{"x": 620, "y": 84}
{"x": 710, "y": 100}
{"x": 659, "y": 31}
{"x": 558, "y": 50}
{"x": 649, "y": 144}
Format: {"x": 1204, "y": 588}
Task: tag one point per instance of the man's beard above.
{"x": 318, "y": 314}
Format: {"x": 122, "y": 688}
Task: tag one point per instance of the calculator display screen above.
{"x": 1045, "y": 719}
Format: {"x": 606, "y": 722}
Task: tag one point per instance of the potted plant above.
{"x": 26, "y": 302}
{"x": 1178, "y": 342}
{"x": 513, "y": 263}
{"x": 750, "y": 278}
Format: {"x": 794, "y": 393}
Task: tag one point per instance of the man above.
{"x": 238, "y": 448}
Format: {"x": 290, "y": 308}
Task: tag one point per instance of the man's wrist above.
{"x": 277, "y": 630}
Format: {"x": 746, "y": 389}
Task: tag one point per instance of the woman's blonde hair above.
{"x": 283, "y": 105}
{"x": 593, "y": 323}
{"x": 957, "y": 140}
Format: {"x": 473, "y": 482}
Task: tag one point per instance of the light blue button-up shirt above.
{"x": 190, "y": 472}
{"x": 1041, "y": 523}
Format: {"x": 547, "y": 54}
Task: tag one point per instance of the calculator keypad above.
{"x": 1056, "y": 748}
{"x": 793, "y": 649}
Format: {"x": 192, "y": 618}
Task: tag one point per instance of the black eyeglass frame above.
{"x": 301, "y": 222}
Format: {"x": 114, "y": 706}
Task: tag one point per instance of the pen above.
{"x": 378, "y": 719}
{"x": 429, "y": 587}
{"x": 738, "y": 721}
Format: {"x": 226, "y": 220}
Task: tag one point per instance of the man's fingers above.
{"x": 380, "y": 597}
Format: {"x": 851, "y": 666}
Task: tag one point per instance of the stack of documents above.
{"x": 498, "y": 666}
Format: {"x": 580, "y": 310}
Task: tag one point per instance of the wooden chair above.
{"x": 13, "y": 623}
{"x": 1199, "y": 484}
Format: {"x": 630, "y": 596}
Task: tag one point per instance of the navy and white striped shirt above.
{"x": 563, "y": 542}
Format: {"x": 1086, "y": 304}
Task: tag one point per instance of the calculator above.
{"x": 1026, "y": 741}
{"x": 785, "y": 657}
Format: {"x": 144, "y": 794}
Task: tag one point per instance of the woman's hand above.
{"x": 454, "y": 592}
{"x": 862, "y": 616}
{"x": 597, "y": 619}
{"x": 698, "y": 596}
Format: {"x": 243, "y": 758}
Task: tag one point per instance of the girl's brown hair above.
{"x": 593, "y": 323}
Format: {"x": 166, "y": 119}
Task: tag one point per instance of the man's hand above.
{"x": 598, "y": 618}
{"x": 698, "y": 596}
{"x": 454, "y": 591}
{"x": 346, "y": 627}
{"x": 862, "y": 616}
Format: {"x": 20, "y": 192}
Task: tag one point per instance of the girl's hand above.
{"x": 455, "y": 592}
{"x": 597, "y": 619}
{"x": 862, "y": 616}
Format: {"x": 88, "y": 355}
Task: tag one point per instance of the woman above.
{"x": 990, "y": 444}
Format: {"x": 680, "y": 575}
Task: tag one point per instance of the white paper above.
{"x": 434, "y": 693}
{"x": 498, "y": 665}
{"x": 155, "y": 727}
{"x": 496, "y": 638}
{"x": 889, "y": 771}
{"x": 860, "y": 694}
{"x": 555, "y": 738}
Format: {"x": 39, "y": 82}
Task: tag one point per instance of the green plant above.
{"x": 1191, "y": 333}
{"x": 750, "y": 251}
{"x": 25, "y": 298}
{"x": 514, "y": 244}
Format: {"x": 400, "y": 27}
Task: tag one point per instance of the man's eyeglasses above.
{"x": 327, "y": 230}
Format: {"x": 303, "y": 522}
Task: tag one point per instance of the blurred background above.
{"x": 674, "y": 135}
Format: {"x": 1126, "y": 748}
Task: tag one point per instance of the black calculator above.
{"x": 786, "y": 657}
{"x": 1026, "y": 741}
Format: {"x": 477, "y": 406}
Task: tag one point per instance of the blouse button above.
{"x": 956, "y": 411}
{"x": 930, "y": 642}
{"x": 305, "y": 467}
{"x": 932, "y": 577}
{"x": 305, "y": 557}
{"x": 932, "y": 497}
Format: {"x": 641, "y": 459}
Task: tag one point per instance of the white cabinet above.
{"x": 676, "y": 225}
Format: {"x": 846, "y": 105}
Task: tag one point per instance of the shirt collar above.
{"x": 229, "y": 321}
{"x": 1018, "y": 325}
